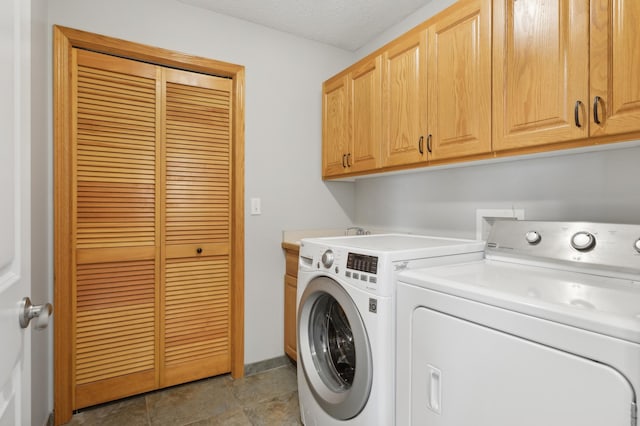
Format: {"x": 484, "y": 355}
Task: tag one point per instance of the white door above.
{"x": 15, "y": 368}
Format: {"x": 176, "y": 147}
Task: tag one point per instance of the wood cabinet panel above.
{"x": 365, "y": 116}
{"x": 335, "y": 129}
{"x": 540, "y": 72}
{"x": 404, "y": 105}
{"x": 291, "y": 253}
{"x": 290, "y": 317}
{"x": 615, "y": 66}
{"x": 459, "y": 81}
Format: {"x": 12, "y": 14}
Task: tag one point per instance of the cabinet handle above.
{"x": 596, "y": 102}
{"x": 429, "y": 138}
{"x": 421, "y": 145}
{"x": 344, "y": 161}
{"x": 576, "y": 113}
{"x": 349, "y": 160}
{"x": 199, "y": 250}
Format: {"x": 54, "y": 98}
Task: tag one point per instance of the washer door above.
{"x": 334, "y": 349}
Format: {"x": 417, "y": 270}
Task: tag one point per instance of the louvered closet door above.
{"x": 197, "y": 239}
{"x": 116, "y": 227}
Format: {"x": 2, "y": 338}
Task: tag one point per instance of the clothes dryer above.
{"x": 544, "y": 331}
{"x": 346, "y": 315}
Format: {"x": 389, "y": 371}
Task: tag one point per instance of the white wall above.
{"x": 283, "y": 131}
{"x": 416, "y": 18}
{"x": 595, "y": 186}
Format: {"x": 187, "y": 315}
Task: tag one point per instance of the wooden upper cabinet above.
{"x": 615, "y": 67}
{"x": 459, "y": 81}
{"x": 540, "y": 72}
{"x": 365, "y": 114}
{"x": 335, "y": 134}
{"x": 404, "y": 100}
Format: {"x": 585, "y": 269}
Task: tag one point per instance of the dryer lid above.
{"x": 609, "y": 306}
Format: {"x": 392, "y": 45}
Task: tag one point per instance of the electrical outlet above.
{"x": 486, "y": 217}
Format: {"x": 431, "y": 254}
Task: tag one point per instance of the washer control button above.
{"x": 327, "y": 259}
{"x": 583, "y": 241}
{"x": 637, "y": 245}
{"x": 533, "y": 237}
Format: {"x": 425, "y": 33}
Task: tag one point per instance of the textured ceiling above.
{"x": 347, "y": 24}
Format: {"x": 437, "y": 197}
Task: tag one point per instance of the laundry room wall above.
{"x": 284, "y": 77}
{"x": 594, "y": 186}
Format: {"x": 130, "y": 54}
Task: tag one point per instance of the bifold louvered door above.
{"x": 151, "y": 225}
{"x": 197, "y": 240}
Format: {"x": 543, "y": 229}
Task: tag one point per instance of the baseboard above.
{"x": 267, "y": 364}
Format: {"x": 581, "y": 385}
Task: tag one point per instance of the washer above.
{"x": 544, "y": 331}
{"x": 346, "y": 315}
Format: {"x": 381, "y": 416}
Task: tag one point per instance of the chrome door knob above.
{"x": 41, "y": 313}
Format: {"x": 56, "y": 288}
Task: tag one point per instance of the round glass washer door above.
{"x": 334, "y": 349}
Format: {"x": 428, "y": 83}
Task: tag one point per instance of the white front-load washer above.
{"x": 346, "y": 315}
{"x": 544, "y": 331}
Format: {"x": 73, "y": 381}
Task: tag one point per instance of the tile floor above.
{"x": 266, "y": 398}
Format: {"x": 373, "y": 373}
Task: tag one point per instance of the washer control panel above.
{"x": 362, "y": 262}
{"x": 587, "y": 244}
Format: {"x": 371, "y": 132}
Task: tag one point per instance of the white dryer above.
{"x": 346, "y": 315}
{"x": 544, "y": 331}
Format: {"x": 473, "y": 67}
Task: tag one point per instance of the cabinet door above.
{"x": 404, "y": 100}
{"x": 459, "y": 80}
{"x": 540, "y": 72}
{"x": 196, "y": 272}
{"x": 365, "y": 116}
{"x": 615, "y": 66}
{"x": 335, "y": 134}
{"x": 290, "y": 318}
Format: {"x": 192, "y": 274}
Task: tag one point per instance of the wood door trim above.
{"x": 65, "y": 39}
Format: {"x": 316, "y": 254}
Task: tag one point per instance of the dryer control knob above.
{"x": 583, "y": 241}
{"x": 327, "y": 259}
{"x": 637, "y": 245}
{"x": 533, "y": 237}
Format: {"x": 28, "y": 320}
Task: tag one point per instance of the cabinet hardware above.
{"x": 576, "y": 113}
{"x": 199, "y": 250}
{"x": 349, "y": 160}
{"x": 344, "y": 161}
{"x": 596, "y": 102}
{"x": 421, "y": 145}
{"x": 429, "y": 143}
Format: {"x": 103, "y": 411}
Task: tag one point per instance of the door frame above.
{"x": 65, "y": 39}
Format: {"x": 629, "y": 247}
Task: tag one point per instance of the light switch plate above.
{"x": 255, "y": 207}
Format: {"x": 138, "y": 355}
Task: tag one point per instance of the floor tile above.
{"x": 130, "y": 412}
{"x": 266, "y": 398}
{"x": 185, "y": 404}
{"x": 266, "y": 385}
{"x": 283, "y": 410}
{"x": 235, "y": 417}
